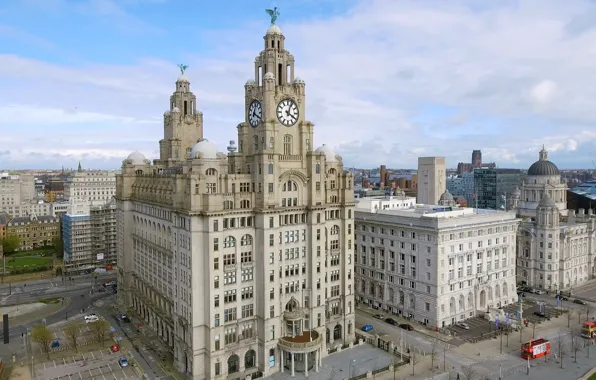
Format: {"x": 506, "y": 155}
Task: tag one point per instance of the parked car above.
{"x": 579, "y": 302}
{"x": 540, "y": 314}
{"x": 539, "y": 292}
{"x": 91, "y": 318}
{"x": 563, "y": 298}
{"x": 367, "y": 328}
{"x": 406, "y": 326}
{"x": 124, "y": 318}
{"x": 463, "y": 325}
{"x": 378, "y": 316}
{"x": 521, "y": 294}
{"x": 391, "y": 321}
{"x": 123, "y": 362}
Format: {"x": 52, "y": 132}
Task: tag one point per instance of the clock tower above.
{"x": 275, "y": 135}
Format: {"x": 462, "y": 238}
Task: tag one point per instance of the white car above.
{"x": 463, "y": 325}
{"x": 91, "y": 318}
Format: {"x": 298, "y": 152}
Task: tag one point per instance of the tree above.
{"x": 414, "y": 359}
{"x": 576, "y": 343}
{"x": 570, "y": 314}
{"x": 561, "y": 347}
{"x": 41, "y": 335}
{"x": 588, "y": 309}
{"x": 72, "y": 332}
{"x": 469, "y": 372}
{"x": 11, "y": 243}
{"x": 534, "y": 324}
{"x": 100, "y": 329}
{"x": 433, "y": 354}
{"x": 58, "y": 245}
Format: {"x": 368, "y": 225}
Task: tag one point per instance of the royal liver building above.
{"x": 241, "y": 262}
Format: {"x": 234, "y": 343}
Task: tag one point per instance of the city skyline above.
{"x": 442, "y": 83}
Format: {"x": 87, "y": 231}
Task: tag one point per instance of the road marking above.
{"x": 54, "y": 363}
{"x": 115, "y": 378}
{"x": 110, "y": 367}
{"x": 124, "y": 373}
{"x": 64, "y": 360}
{"x": 44, "y": 366}
{"x": 80, "y": 376}
{"x": 70, "y": 378}
{"x": 104, "y": 378}
{"x": 100, "y": 371}
{"x": 74, "y": 360}
{"x": 92, "y": 356}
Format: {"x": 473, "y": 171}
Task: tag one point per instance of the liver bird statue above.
{"x": 274, "y": 13}
{"x": 182, "y": 68}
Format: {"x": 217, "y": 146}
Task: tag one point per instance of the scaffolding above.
{"x": 103, "y": 235}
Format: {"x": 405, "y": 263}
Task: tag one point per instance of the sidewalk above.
{"x": 416, "y": 325}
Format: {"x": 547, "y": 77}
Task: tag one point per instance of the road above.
{"x": 414, "y": 339}
{"x": 144, "y": 357}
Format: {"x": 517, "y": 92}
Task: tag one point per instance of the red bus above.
{"x": 535, "y": 349}
{"x": 589, "y": 330}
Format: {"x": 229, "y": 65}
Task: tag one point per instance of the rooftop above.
{"x": 586, "y": 189}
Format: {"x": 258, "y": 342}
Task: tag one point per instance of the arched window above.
{"x": 256, "y": 143}
{"x": 335, "y": 230}
{"x": 287, "y": 145}
{"x": 250, "y": 359}
{"x": 246, "y": 240}
{"x": 210, "y": 171}
{"x": 228, "y": 205}
{"x": 245, "y": 203}
{"x": 233, "y": 364}
{"x": 229, "y": 242}
{"x": 271, "y": 143}
{"x": 318, "y": 169}
{"x": 270, "y": 169}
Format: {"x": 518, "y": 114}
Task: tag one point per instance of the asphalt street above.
{"x": 145, "y": 358}
{"x": 28, "y": 292}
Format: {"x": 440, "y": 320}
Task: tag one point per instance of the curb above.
{"x": 67, "y": 302}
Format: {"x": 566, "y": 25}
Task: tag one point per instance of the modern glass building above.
{"x": 493, "y": 187}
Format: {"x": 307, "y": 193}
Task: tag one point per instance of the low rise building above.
{"x": 34, "y": 231}
{"x": 437, "y": 265}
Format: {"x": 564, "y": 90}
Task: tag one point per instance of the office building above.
{"x": 437, "y": 265}
{"x": 34, "y": 231}
{"x": 494, "y": 187}
{"x": 432, "y": 178}
{"x": 241, "y": 263}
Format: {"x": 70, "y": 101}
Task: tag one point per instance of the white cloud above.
{"x": 516, "y": 75}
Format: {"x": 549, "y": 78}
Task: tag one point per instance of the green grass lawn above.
{"x": 20, "y": 262}
{"x": 47, "y": 252}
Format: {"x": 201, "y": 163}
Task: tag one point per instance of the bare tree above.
{"x": 533, "y": 324}
{"x": 414, "y": 359}
{"x": 521, "y": 326}
{"x": 72, "y": 332}
{"x": 44, "y": 337}
{"x": 576, "y": 343}
{"x": 588, "y": 309}
{"x": 100, "y": 330}
{"x": 433, "y": 354}
{"x": 469, "y": 372}
{"x": 561, "y": 347}
{"x": 570, "y": 314}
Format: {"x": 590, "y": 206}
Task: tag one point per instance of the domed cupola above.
{"x": 446, "y": 199}
{"x": 204, "y": 149}
{"x": 328, "y": 152}
{"x": 543, "y": 167}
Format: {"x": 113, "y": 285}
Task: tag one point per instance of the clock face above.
{"x": 255, "y": 113}
{"x": 287, "y": 112}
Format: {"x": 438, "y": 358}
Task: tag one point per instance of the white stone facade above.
{"x": 242, "y": 262}
{"x": 432, "y": 179}
{"x": 554, "y": 252}
{"x": 435, "y": 267}
{"x": 97, "y": 186}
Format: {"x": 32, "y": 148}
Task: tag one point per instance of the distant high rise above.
{"x": 476, "y": 158}
{"x": 384, "y": 180}
{"x": 431, "y": 179}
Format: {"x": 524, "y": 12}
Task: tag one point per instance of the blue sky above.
{"x": 387, "y": 80}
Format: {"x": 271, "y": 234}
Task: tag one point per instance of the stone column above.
{"x": 306, "y": 364}
{"x": 317, "y": 360}
{"x": 281, "y": 359}
{"x": 292, "y": 364}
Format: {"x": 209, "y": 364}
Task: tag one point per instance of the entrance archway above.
{"x": 337, "y": 332}
{"x": 483, "y": 298}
